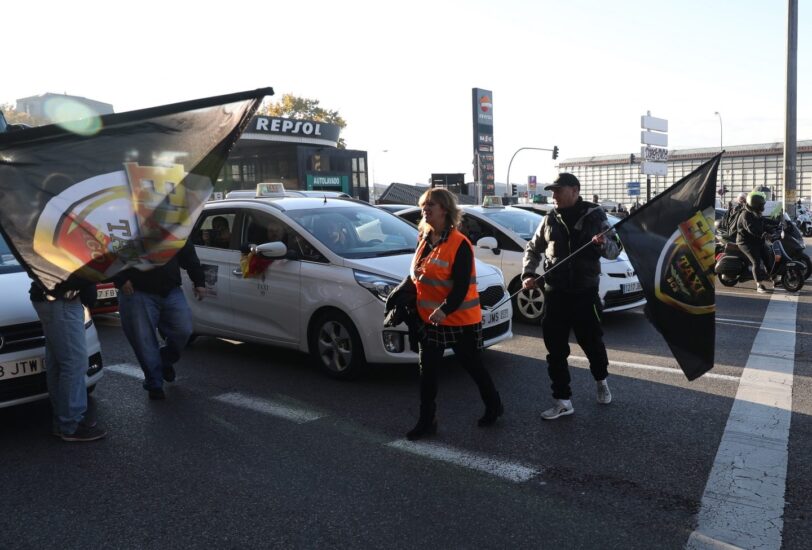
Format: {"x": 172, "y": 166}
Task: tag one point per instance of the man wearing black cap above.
{"x": 571, "y": 300}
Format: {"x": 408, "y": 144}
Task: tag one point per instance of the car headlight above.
{"x": 380, "y": 287}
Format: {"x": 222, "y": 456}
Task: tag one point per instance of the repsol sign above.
{"x": 291, "y": 127}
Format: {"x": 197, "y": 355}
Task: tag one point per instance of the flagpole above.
{"x": 55, "y": 131}
{"x": 563, "y": 260}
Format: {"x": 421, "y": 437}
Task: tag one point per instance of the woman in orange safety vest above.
{"x": 444, "y": 274}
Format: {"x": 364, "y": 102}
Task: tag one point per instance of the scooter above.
{"x": 804, "y": 221}
{"x": 794, "y": 244}
{"x": 732, "y": 267}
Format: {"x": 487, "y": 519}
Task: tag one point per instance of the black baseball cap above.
{"x": 564, "y": 179}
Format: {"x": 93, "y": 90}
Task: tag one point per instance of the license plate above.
{"x": 628, "y": 288}
{"x": 105, "y": 293}
{"x": 23, "y": 367}
{"x": 494, "y": 317}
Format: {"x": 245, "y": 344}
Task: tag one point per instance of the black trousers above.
{"x": 758, "y": 256}
{"x": 469, "y": 356}
{"x": 579, "y": 312}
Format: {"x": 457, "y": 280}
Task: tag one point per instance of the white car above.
{"x": 334, "y": 263}
{"x": 499, "y": 235}
{"x": 22, "y": 344}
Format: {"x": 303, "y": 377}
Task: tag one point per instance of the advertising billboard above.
{"x": 482, "y": 110}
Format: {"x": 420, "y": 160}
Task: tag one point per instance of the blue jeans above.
{"x": 63, "y": 323}
{"x": 141, "y": 314}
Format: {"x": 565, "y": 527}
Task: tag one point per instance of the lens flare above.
{"x": 73, "y": 116}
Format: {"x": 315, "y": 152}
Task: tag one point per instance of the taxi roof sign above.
{"x": 492, "y": 201}
{"x": 270, "y": 189}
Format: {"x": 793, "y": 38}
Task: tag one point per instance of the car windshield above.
{"x": 358, "y": 231}
{"x": 8, "y": 263}
{"x": 521, "y": 222}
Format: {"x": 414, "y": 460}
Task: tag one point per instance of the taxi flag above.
{"x": 86, "y": 204}
{"x": 670, "y": 243}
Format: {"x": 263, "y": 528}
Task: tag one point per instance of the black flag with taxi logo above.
{"x": 86, "y": 199}
{"x": 670, "y": 242}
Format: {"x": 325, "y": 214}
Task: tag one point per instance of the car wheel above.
{"x": 527, "y": 304}
{"x": 335, "y": 346}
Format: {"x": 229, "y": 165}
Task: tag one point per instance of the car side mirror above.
{"x": 488, "y": 243}
{"x": 272, "y": 250}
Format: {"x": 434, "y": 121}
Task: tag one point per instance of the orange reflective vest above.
{"x": 432, "y": 277}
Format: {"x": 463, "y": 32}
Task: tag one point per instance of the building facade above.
{"x": 301, "y": 154}
{"x": 743, "y": 167}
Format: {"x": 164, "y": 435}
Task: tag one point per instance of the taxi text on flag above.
{"x": 670, "y": 242}
{"x": 86, "y": 204}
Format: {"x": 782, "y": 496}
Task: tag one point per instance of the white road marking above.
{"x": 743, "y": 503}
{"x": 127, "y": 369}
{"x": 273, "y": 408}
{"x": 725, "y": 320}
{"x": 657, "y": 368}
{"x": 510, "y": 471}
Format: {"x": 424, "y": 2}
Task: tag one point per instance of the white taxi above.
{"x": 500, "y": 233}
{"x": 22, "y": 344}
{"x": 333, "y": 262}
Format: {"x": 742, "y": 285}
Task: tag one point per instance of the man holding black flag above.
{"x": 571, "y": 300}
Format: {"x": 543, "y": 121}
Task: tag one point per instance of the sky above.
{"x": 577, "y": 73}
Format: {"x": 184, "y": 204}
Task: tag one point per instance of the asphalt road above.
{"x": 255, "y": 448}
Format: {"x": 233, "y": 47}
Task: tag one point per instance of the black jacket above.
{"x": 555, "y": 239}
{"x": 728, "y": 225}
{"x": 401, "y": 307}
{"x": 161, "y": 280}
{"x": 750, "y": 228}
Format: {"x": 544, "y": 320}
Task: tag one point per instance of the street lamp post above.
{"x": 721, "y": 148}
{"x": 514, "y": 156}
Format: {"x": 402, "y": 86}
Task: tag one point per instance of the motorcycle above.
{"x": 732, "y": 266}
{"x": 804, "y": 221}
{"x": 794, "y": 244}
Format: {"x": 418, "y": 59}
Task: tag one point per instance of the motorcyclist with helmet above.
{"x": 750, "y": 234}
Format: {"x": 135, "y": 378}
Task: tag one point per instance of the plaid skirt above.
{"x": 446, "y": 336}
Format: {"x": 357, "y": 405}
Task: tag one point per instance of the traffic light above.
{"x": 514, "y": 189}
{"x": 555, "y": 152}
{"x": 631, "y": 158}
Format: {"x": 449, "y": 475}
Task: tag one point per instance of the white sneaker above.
{"x": 562, "y": 407}
{"x": 604, "y": 395}
{"x": 761, "y": 289}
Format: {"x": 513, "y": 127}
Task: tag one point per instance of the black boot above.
{"x": 493, "y": 410}
{"x": 426, "y": 424}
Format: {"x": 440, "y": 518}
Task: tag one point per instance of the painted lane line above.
{"x": 510, "y": 471}
{"x": 656, "y": 368}
{"x": 127, "y": 369}
{"x": 725, "y": 320}
{"x": 743, "y": 503}
{"x": 272, "y": 408}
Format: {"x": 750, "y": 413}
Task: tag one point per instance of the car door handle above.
{"x": 237, "y": 272}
